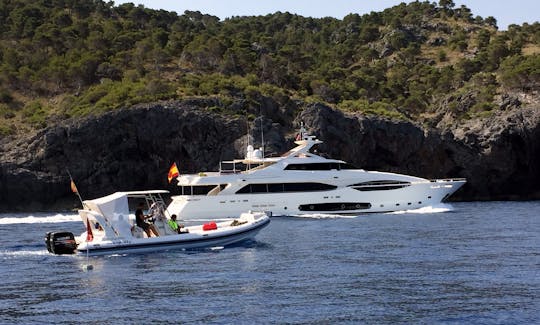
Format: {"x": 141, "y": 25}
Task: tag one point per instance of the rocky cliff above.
{"x": 499, "y": 155}
{"x": 132, "y": 149}
{"x": 122, "y": 150}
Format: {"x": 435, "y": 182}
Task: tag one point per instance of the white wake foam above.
{"x": 48, "y": 219}
{"x": 441, "y": 207}
{"x": 23, "y": 253}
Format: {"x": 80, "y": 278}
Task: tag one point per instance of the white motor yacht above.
{"x": 301, "y": 182}
{"x": 111, "y": 229}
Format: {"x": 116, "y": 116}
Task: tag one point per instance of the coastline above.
{"x": 132, "y": 149}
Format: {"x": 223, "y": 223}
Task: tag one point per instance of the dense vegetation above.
{"x": 62, "y": 58}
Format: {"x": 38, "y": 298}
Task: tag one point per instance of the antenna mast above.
{"x": 247, "y": 130}
{"x": 262, "y": 137}
{"x": 247, "y": 147}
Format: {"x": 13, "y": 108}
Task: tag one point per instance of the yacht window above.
{"x": 217, "y": 189}
{"x": 275, "y": 188}
{"x": 382, "y": 182}
{"x": 245, "y": 189}
{"x": 301, "y": 187}
{"x": 381, "y": 185}
{"x": 185, "y": 190}
{"x": 314, "y": 166}
{"x": 258, "y": 188}
{"x": 285, "y": 187}
{"x": 347, "y": 166}
{"x": 200, "y": 189}
{"x": 296, "y": 167}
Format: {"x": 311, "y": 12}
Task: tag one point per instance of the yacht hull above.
{"x": 344, "y": 200}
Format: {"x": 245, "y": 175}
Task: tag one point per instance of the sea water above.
{"x": 461, "y": 263}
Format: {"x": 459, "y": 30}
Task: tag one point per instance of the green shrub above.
{"x": 35, "y": 114}
{"x": 6, "y": 111}
{"x": 5, "y": 96}
{"x": 376, "y": 108}
{"x": 483, "y": 107}
{"x": 441, "y": 55}
{"x": 521, "y": 72}
{"x": 7, "y": 129}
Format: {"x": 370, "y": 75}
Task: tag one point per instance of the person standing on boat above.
{"x": 175, "y": 226}
{"x": 140, "y": 220}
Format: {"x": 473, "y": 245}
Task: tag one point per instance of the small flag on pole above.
{"x": 89, "y": 234}
{"x": 173, "y": 172}
{"x": 74, "y": 187}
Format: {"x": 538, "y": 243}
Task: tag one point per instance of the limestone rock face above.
{"x": 132, "y": 149}
{"x": 503, "y": 155}
{"x": 119, "y": 151}
{"x": 499, "y": 155}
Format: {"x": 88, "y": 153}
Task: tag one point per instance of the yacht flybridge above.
{"x": 301, "y": 182}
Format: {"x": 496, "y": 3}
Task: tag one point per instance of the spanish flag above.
{"x": 173, "y": 172}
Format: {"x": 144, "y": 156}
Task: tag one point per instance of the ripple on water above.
{"x": 472, "y": 263}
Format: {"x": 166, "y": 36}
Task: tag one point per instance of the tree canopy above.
{"x": 69, "y": 58}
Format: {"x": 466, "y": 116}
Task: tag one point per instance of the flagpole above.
{"x": 75, "y": 190}
{"x": 88, "y": 266}
{"x": 89, "y": 237}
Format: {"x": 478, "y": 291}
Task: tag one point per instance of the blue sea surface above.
{"x": 473, "y": 262}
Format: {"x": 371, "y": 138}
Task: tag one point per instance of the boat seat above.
{"x": 138, "y": 232}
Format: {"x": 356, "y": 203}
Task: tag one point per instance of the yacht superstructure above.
{"x": 301, "y": 182}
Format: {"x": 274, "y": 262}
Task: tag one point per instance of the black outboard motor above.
{"x": 60, "y": 242}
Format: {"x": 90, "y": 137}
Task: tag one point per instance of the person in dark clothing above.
{"x": 140, "y": 219}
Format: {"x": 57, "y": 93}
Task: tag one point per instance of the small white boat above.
{"x": 111, "y": 229}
